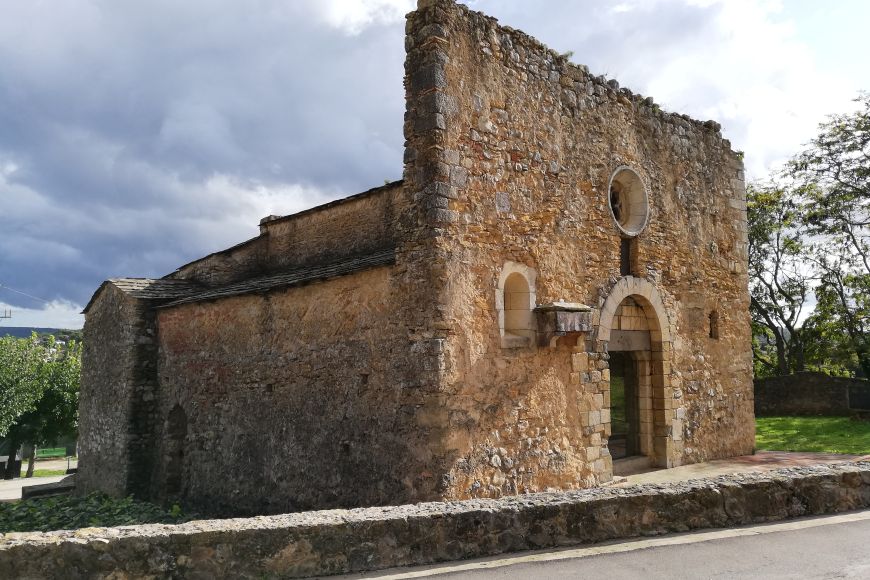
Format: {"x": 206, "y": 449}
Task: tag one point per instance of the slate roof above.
{"x": 149, "y": 288}
{"x": 295, "y": 277}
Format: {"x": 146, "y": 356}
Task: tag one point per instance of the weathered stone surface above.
{"x": 539, "y": 154}
{"x": 293, "y": 400}
{"x": 341, "y": 541}
{"x": 117, "y": 403}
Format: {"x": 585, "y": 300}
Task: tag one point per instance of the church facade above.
{"x": 556, "y": 289}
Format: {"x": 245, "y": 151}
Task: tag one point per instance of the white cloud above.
{"x": 353, "y": 17}
{"x": 56, "y": 314}
{"x": 758, "y": 79}
{"x": 742, "y": 63}
{"x": 139, "y": 136}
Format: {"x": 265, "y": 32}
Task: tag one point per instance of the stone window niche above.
{"x": 714, "y": 324}
{"x": 515, "y": 304}
{"x": 629, "y": 202}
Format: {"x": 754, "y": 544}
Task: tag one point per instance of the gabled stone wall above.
{"x": 520, "y": 146}
{"x": 118, "y": 399}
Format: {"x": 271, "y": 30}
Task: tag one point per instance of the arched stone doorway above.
{"x": 634, "y": 329}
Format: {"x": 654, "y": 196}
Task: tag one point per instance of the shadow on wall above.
{"x": 177, "y": 434}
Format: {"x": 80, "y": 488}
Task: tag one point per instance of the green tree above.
{"x": 834, "y": 178}
{"x": 780, "y": 282}
{"x": 41, "y": 388}
{"x": 842, "y": 314}
{"x": 21, "y": 378}
{"x": 829, "y": 348}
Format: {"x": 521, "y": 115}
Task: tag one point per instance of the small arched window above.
{"x": 515, "y": 303}
{"x": 714, "y": 324}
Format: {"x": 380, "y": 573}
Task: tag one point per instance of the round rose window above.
{"x": 629, "y": 203}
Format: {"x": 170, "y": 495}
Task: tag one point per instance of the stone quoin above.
{"x": 558, "y": 282}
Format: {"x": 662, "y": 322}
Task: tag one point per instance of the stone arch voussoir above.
{"x": 648, "y": 296}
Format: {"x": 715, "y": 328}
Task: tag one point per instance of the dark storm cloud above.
{"x": 136, "y": 135}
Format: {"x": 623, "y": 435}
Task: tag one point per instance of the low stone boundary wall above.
{"x": 811, "y": 393}
{"x": 337, "y": 541}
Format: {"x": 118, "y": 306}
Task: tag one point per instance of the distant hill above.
{"x": 25, "y": 331}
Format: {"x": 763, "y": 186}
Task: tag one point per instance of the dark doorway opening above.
{"x": 624, "y": 408}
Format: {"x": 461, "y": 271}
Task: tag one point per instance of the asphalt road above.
{"x": 827, "y": 547}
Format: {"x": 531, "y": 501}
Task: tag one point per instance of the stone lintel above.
{"x": 629, "y": 340}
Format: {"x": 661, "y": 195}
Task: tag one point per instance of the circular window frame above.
{"x": 638, "y": 198}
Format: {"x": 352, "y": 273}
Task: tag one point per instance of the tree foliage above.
{"x": 39, "y": 387}
{"x": 780, "y": 283}
{"x": 810, "y": 240}
{"x": 54, "y": 414}
{"x": 22, "y": 380}
{"x": 834, "y": 178}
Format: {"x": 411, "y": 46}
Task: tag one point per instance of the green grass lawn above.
{"x": 44, "y": 472}
{"x": 821, "y": 434}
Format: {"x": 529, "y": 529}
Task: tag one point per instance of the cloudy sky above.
{"x": 136, "y": 136}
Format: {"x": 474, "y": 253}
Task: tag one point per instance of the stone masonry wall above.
{"x": 521, "y": 146}
{"x": 297, "y": 399}
{"x": 355, "y": 227}
{"x": 361, "y": 224}
{"x": 117, "y": 403}
{"x": 392, "y": 385}
{"x": 225, "y": 267}
{"x": 104, "y": 398}
{"x": 811, "y": 393}
{"x": 342, "y": 541}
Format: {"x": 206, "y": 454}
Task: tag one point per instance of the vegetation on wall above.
{"x": 809, "y": 242}
{"x": 71, "y": 512}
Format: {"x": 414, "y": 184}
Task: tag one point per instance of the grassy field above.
{"x": 821, "y": 434}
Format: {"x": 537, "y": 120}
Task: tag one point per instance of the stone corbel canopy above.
{"x": 557, "y": 319}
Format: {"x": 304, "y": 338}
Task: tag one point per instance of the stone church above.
{"x": 555, "y": 291}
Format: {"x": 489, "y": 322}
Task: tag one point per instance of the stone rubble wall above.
{"x": 344, "y": 541}
{"x": 227, "y": 266}
{"x": 305, "y": 398}
{"x": 117, "y": 413}
{"x": 517, "y": 145}
{"x": 392, "y": 385}
{"x": 350, "y": 228}
{"x": 811, "y": 393}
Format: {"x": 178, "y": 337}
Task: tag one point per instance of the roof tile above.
{"x": 294, "y": 277}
